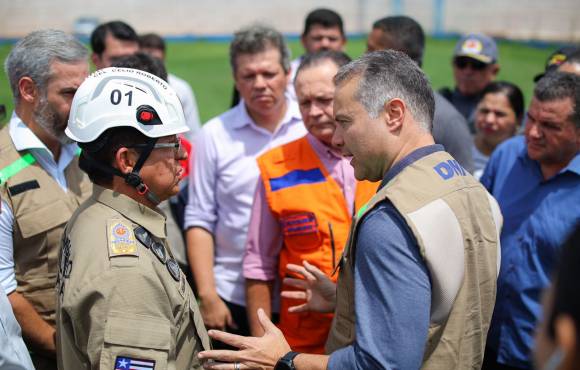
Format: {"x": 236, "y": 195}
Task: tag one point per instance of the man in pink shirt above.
{"x": 303, "y": 206}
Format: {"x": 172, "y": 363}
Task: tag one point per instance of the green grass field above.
{"x": 205, "y": 66}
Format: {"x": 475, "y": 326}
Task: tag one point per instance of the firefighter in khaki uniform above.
{"x": 418, "y": 276}
{"x": 304, "y": 206}
{"x": 41, "y": 184}
{"x": 123, "y": 301}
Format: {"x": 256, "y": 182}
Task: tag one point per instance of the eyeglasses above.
{"x": 464, "y": 62}
{"x": 176, "y": 145}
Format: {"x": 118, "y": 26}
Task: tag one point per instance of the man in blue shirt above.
{"x": 424, "y": 281}
{"x": 536, "y": 180}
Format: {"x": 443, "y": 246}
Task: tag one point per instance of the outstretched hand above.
{"x": 253, "y": 353}
{"x": 315, "y": 288}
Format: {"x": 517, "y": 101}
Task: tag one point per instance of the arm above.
{"x": 261, "y": 259}
{"x": 37, "y": 333}
{"x": 258, "y": 295}
{"x": 13, "y": 352}
{"x": 200, "y": 219}
{"x": 393, "y": 297}
{"x": 108, "y": 321}
{"x": 200, "y": 252}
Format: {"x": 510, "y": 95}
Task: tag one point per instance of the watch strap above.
{"x": 286, "y": 362}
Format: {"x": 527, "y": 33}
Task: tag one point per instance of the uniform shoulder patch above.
{"x": 128, "y": 363}
{"x": 121, "y": 238}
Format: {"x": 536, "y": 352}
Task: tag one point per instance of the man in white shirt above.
{"x": 225, "y": 172}
{"x": 154, "y": 45}
{"x": 40, "y": 182}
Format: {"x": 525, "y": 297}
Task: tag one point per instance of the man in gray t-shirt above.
{"x": 449, "y": 127}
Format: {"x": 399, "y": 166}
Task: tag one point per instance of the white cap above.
{"x": 124, "y": 97}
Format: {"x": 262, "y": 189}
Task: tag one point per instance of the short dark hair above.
{"x": 152, "y": 41}
{"x": 566, "y": 298}
{"x": 256, "y": 39}
{"x": 143, "y": 62}
{"x": 313, "y": 59}
{"x": 118, "y": 29}
{"x": 560, "y": 85}
{"x": 324, "y": 17}
{"x": 403, "y": 34}
{"x": 389, "y": 74}
{"x": 104, "y": 149}
{"x": 513, "y": 94}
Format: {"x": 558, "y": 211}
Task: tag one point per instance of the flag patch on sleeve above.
{"x": 130, "y": 363}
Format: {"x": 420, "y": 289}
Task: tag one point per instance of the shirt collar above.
{"x": 292, "y": 114}
{"x": 150, "y": 219}
{"x": 411, "y": 158}
{"x": 573, "y": 166}
{"x": 24, "y": 139}
{"x": 322, "y": 149}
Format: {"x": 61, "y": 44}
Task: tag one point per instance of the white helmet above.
{"x": 124, "y": 97}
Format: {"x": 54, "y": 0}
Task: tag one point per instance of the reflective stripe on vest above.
{"x": 20, "y": 164}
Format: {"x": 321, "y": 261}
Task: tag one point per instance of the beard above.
{"x": 51, "y": 122}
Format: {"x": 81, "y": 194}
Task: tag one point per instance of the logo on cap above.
{"x": 557, "y": 60}
{"x": 472, "y": 46}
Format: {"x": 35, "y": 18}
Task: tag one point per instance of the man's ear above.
{"x": 495, "y": 70}
{"x": 125, "y": 160}
{"x": 28, "y": 89}
{"x": 303, "y": 41}
{"x": 394, "y": 112}
{"x": 96, "y": 59}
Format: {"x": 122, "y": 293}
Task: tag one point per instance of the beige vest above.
{"x": 120, "y": 291}
{"x": 456, "y": 224}
{"x": 41, "y": 209}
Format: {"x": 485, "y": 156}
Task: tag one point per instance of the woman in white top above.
{"x": 497, "y": 118}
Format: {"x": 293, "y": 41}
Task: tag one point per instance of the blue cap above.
{"x": 477, "y": 46}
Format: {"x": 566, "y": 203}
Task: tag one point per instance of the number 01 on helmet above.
{"x": 124, "y": 97}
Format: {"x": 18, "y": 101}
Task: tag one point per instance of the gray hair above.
{"x": 256, "y": 39}
{"x": 558, "y": 86}
{"x": 33, "y": 55}
{"x": 314, "y": 59}
{"x": 389, "y": 74}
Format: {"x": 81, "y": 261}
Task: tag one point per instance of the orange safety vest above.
{"x": 315, "y": 220}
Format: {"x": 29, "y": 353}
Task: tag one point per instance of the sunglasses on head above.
{"x": 463, "y": 62}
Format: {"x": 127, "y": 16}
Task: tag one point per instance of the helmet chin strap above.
{"x": 132, "y": 178}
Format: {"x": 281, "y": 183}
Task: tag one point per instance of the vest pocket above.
{"x": 301, "y": 231}
{"x": 35, "y": 221}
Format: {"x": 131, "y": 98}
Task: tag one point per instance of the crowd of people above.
{"x": 341, "y": 214}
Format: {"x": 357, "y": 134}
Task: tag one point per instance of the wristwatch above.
{"x": 286, "y": 362}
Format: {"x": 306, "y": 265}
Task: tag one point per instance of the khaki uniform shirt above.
{"x": 122, "y": 299}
